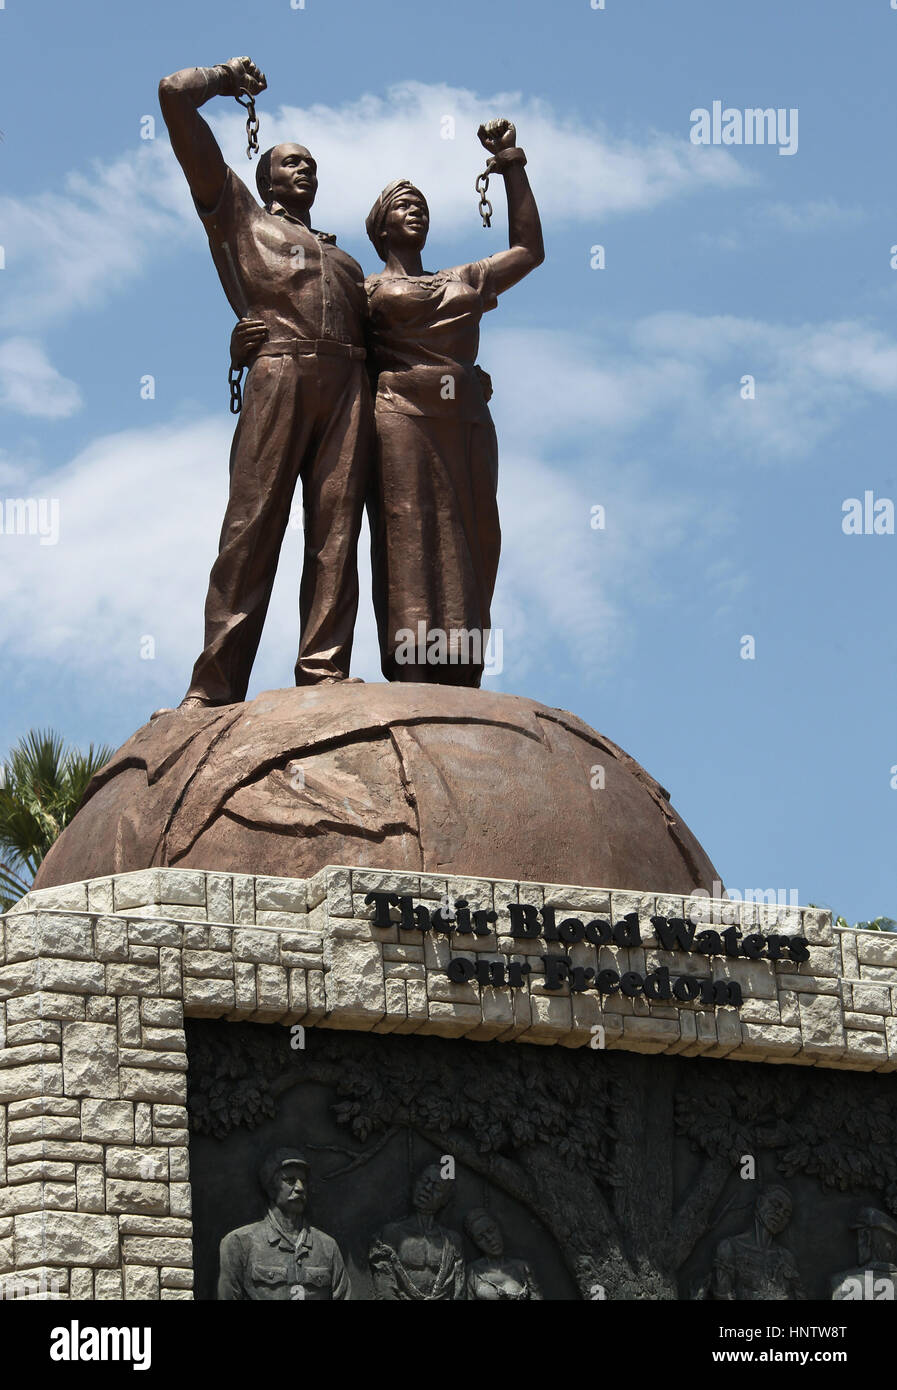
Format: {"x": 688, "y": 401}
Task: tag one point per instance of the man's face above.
{"x": 774, "y": 1210}
{"x": 294, "y": 180}
{"x": 431, "y": 1191}
{"x": 290, "y": 1189}
{"x": 407, "y": 221}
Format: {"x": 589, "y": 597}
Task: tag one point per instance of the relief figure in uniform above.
{"x": 282, "y": 1257}
{"x": 875, "y": 1275}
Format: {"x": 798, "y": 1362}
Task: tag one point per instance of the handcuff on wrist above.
{"x": 247, "y": 101}
{"x": 496, "y": 165}
{"x": 228, "y": 81}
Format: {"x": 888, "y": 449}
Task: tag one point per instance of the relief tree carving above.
{"x": 583, "y": 1140}
{"x": 842, "y": 1132}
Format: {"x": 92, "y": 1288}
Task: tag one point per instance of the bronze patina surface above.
{"x": 437, "y": 455}
{"x": 307, "y": 408}
{"x": 396, "y": 776}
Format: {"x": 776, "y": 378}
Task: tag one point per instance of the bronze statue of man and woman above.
{"x": 365, "y": 391}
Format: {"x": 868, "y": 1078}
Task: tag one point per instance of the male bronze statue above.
{"x": 307, "y": 412}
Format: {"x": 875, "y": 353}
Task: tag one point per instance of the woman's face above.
{"x": 407, "y": 221}
{"x": 487, "y": 1236}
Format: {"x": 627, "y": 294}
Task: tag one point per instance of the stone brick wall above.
{"x": 96, "y": 979}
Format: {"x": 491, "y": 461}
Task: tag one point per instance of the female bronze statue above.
{"x": 437, "y": 536}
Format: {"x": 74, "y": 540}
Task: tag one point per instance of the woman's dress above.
{"x": 436, "y": 536}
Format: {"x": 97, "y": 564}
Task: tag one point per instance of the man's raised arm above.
{"x": 180, "y": 97}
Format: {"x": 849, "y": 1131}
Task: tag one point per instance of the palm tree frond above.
{"x": 42, "y": 785}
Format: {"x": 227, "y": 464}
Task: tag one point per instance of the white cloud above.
{"x": 769, "y": 220}
{"x": 140, "y": 513}
{"x": 567, "y": 385}
{"x": 566, "y": 592}
{"x": 610, "y": 421}
{"x": 814, "y": 215}
{"x": 568, "y": 411}
{"x": 579, "y": 171}
{"x": 70, "y": 248}
{"x": 31, "y": 385}
{"x": 139, "y": 517}
{"x": 10, "y": 472}
{"x": 633, "y": 418}
{"x": 809, "y": 378}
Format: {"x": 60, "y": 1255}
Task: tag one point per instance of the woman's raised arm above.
{"x": 525, "y": 247}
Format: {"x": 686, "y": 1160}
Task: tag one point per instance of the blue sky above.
{"x": 618, "y": 387}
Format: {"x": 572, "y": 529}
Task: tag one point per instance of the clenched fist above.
{"x": 247, "y": 77}
{"x": 500, "y": 134}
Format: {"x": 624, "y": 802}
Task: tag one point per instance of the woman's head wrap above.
{"x": 473, "y": 1219}
{"x": 375, "y": 222}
